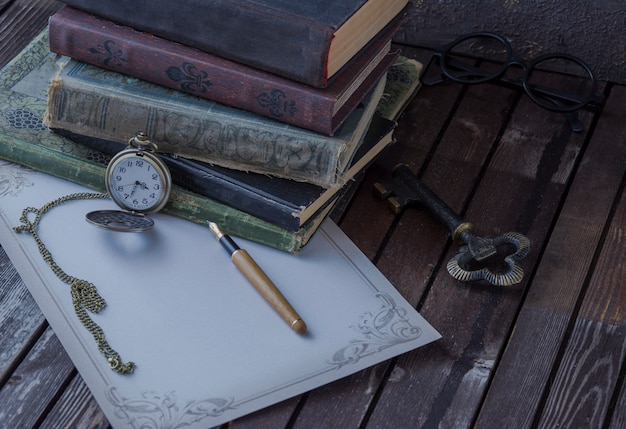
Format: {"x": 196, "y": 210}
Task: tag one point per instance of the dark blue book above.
{"x": 285, "y": 203}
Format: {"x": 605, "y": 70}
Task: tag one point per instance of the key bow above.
{"x": 470, "y": 263}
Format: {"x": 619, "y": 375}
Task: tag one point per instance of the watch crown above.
{"x": 142, "y": 136}
{"x": 142, "y": 141}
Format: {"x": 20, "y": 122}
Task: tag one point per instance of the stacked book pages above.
{"x": 264, "y": 112}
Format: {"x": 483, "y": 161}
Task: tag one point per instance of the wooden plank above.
{"x": 21, "y": 22}
{"x": 35, "y": 383}
{"x": 273, "y": 417}
{"x": 76, "y": 408}
{"x": 344, "y": 403}
{"x": 520, "y": 191}
{"x": 542, "y": 324}
{"x": 21, "y": 321}
{"x": 366, "y": 223}
{"x": 4, "y": 4}
{"x": 618, "y": 419}
{"x": 588, "y": 373}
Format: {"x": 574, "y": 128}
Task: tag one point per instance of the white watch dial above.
{"x": 136, "y": 183}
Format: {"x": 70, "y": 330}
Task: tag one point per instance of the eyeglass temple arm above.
{"x": 574, "y": 123}
{"x": 558, "y": 97}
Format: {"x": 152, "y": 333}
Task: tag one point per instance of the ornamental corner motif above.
{"x": 387, "y": 327}
{"x": 163, "y": 410}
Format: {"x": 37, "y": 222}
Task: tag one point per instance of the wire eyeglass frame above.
{"x": 553, "y": 99}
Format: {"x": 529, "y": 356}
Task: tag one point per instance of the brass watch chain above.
{"x": 84, "y": 294}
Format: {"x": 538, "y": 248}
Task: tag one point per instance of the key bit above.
{"x": 406, "y": 189}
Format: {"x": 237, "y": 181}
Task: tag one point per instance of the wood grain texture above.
{"x": 276, "y": 416}
{"x": 4, "y": 4}
{"x": 451, "y": 172}
{"x": 446, "y": 381}
{"x": 618, "y": 419}
{"x": 21, "y": 321}
{"x": 583, "y": 388}
{"x": 20, "y": 22}
{"x": 35, "y": 383}
{"x": 76, "y": 408}
{"x": 343, "y": 403}
{"x": 544, "y": 319}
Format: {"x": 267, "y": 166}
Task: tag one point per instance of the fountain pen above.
{"x": 261, "y": 282}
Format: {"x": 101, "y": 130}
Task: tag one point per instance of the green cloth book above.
{"x": 25, "y": 140}
{"x": 91, "y": 101}
{"x": 403, "y": 84}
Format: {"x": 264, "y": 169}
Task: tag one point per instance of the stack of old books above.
{"x": 269, "y": 107}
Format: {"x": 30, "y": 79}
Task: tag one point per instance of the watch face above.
{"x": 138, "y": 181}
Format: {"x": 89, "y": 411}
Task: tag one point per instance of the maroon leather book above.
{"x": 95, "y": 40}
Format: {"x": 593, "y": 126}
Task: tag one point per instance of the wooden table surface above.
{"x": 549, "y": 352}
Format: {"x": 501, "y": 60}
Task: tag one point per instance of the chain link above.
{"x": 84, "y": 294}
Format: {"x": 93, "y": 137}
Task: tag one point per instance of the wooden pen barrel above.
{"x": 262, "y": 283}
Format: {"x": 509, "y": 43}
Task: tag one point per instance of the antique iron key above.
{"x": 488, "y": 258}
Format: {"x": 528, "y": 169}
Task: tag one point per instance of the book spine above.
{"x": 206, "y": 136}
{"x": 231, "y": 193}
{"x": 82, "y": 101}
{"x": 246, "y": 32}
{"x": 100, "y": 42}
{"x": 182, "y": 203}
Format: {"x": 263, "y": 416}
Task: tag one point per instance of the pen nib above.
{"x": 215, "y": 229}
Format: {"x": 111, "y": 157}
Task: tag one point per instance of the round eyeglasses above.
{"x": 487, "y": 57}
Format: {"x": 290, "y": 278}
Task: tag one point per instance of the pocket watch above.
{"x": 139, "y": 182}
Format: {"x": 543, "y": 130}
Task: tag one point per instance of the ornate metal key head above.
{"x": 494, "y": 259}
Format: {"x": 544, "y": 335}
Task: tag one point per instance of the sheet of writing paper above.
{"x": 201, "y": 336}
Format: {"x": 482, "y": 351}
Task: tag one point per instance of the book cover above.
{"x": 301, "y": 40}
{"x": 97, "y": 41}
{"x": 403, "y": 84}
{"x": 95, "y": 102}
{"x": 25, "y": 140}
{"x": 283, "y": 202}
